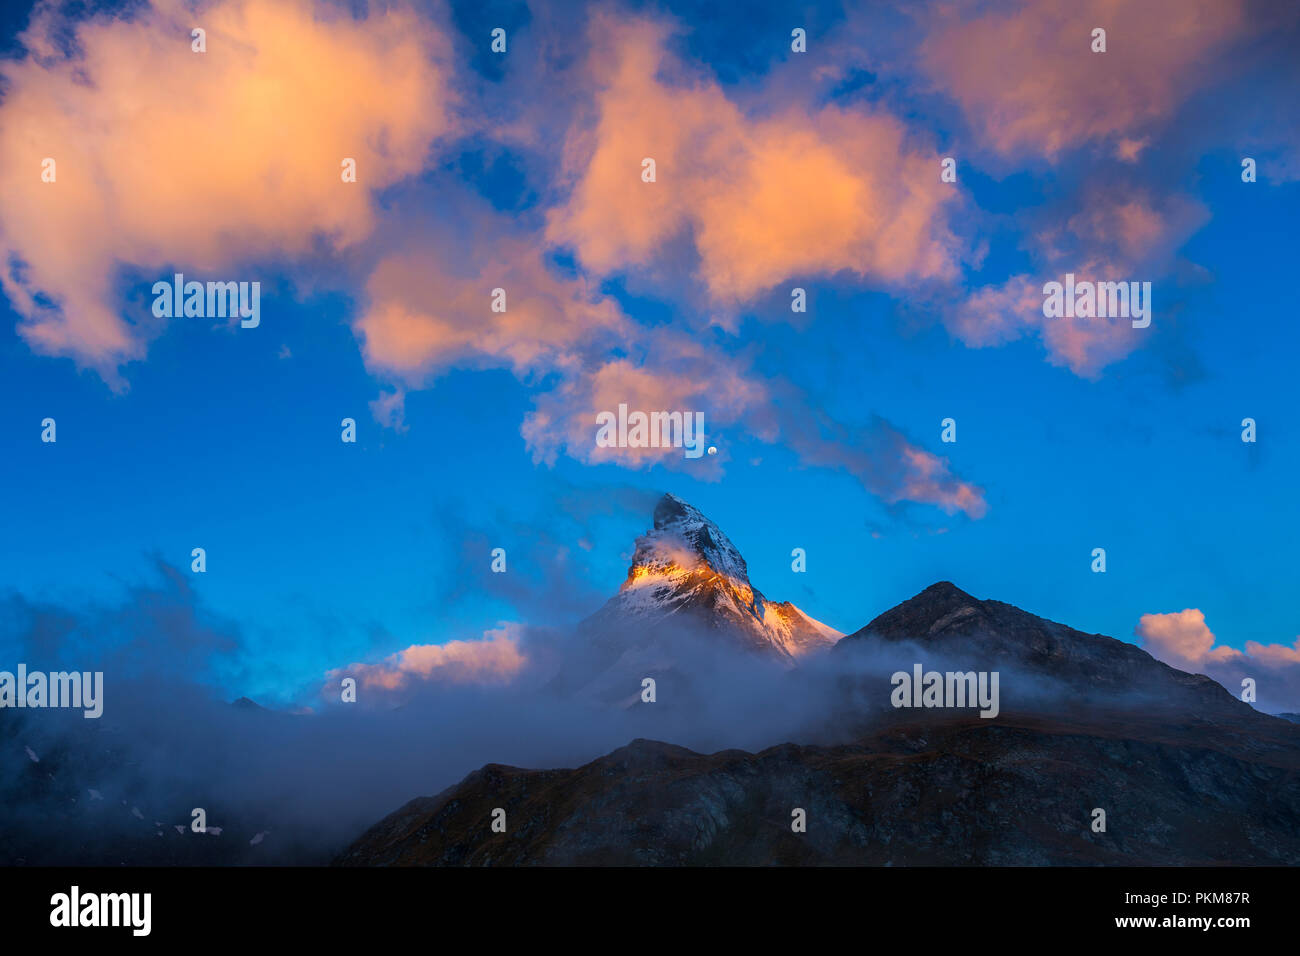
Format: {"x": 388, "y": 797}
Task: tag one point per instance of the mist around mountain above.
{"x": 1088, "y": 729}
{"x": 758, "y": 710}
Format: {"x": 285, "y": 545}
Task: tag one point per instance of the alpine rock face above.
{"x": 1035, "y": 654}
{"x": 688, "y": 590}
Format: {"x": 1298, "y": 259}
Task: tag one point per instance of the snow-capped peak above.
{"x": 686, "y": 563}
{"x": 687, "y": 584}
{"x": 682, "y": 540}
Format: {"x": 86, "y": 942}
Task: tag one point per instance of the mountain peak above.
{"x": 944, "y": 591}
{"x": 936, "y": 609}
{"x": 670, "y": 508}
{"x": 945, "y": 620}
{"x": 684, "y": 539}
{"x": 687, "y": 583}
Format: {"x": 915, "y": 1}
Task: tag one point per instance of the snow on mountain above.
{"x": 680, "y": 528}
{"x": 689, "y": 583}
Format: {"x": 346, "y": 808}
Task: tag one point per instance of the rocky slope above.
{"x": 946, "y": 792}
{"x": 1039, "y": 658}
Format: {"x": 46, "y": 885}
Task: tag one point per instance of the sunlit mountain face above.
{"x": 687, "y": 591}
{"x": 686, "y": 564}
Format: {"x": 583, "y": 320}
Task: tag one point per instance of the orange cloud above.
{"x": 800, "y": 192}
{"x": 199, "y": 160}
{"x": 1182, "y": 639}
{"x": 1185, "y": 641}
{"x": 1028, "y": 80}
{"x": 928, "y": 479}
{"x": 1275, "y": 655}
{"x": 425, "y": 316}
{"x": 495, "y": 659}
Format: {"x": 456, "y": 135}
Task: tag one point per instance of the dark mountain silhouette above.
{"x": 946, "y": 622}
{"x": 954, "y": 792}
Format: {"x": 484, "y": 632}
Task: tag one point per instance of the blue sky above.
{"x": 323, "y": 553}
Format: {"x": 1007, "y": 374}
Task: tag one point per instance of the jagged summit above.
{"x": 685, "y": 563}
{"x": 688, "y": 587}
{"x": 682, "y": 532}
